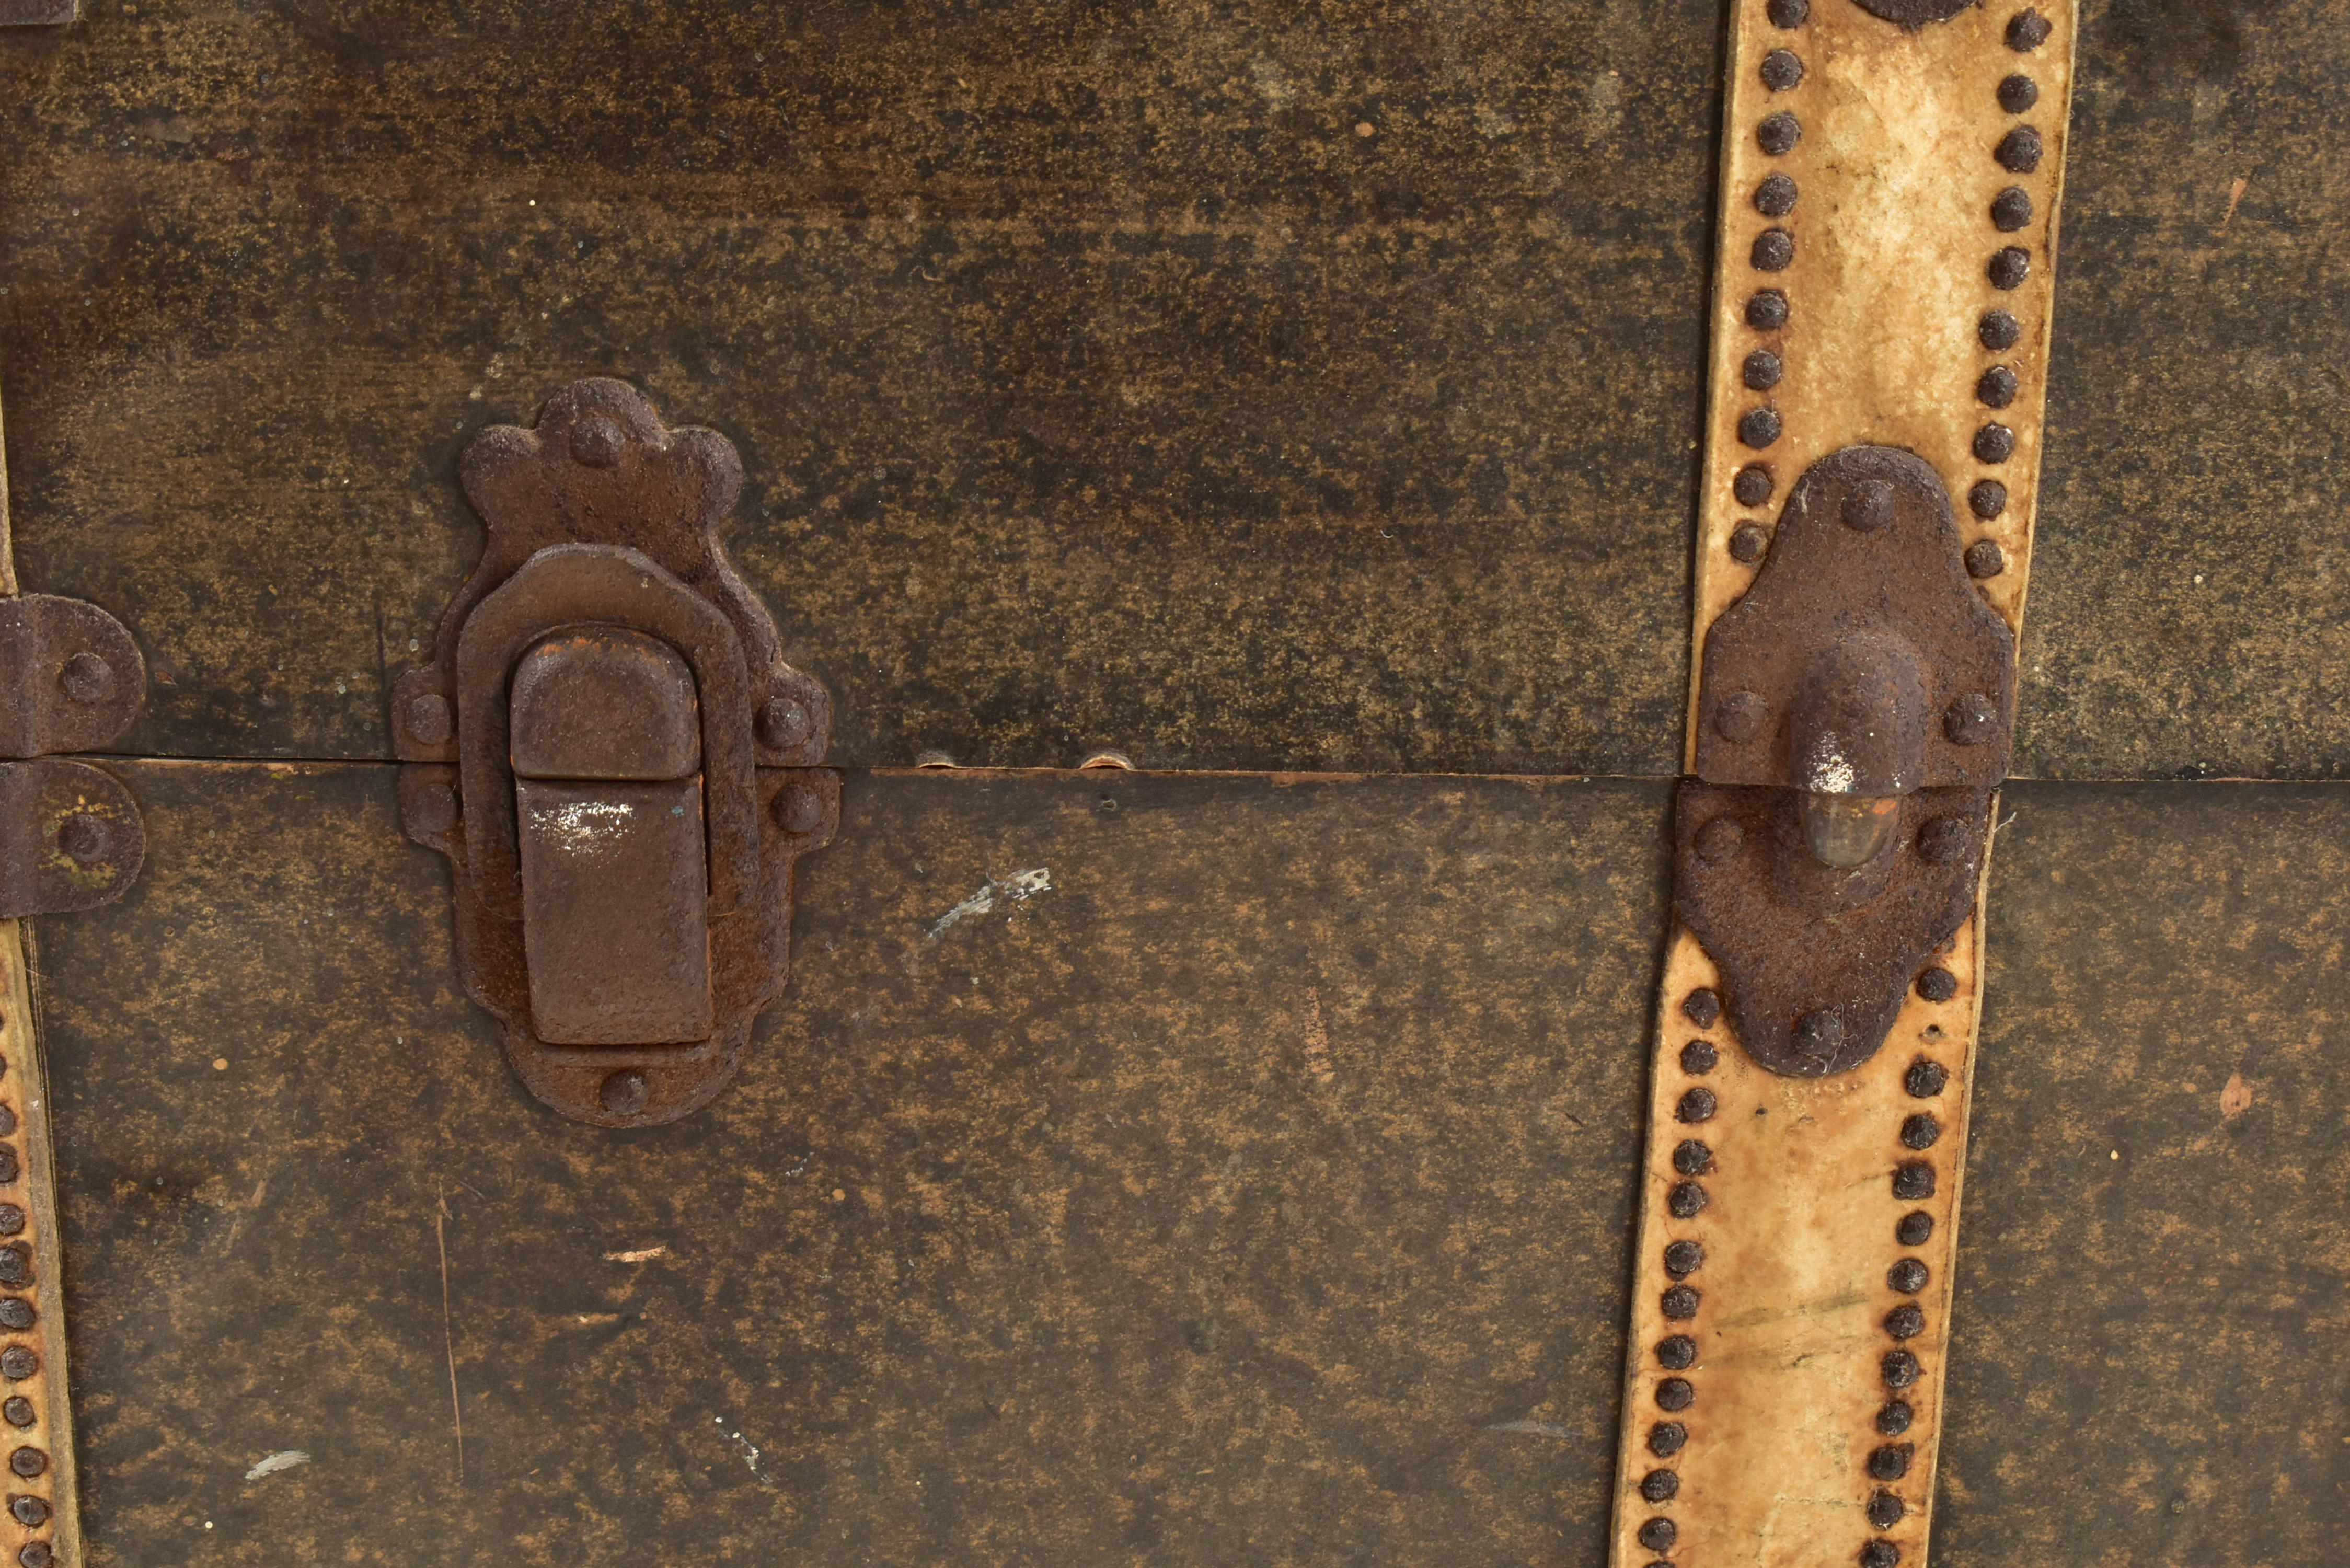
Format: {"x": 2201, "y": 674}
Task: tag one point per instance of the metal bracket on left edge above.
{"x": 71, "y": 680}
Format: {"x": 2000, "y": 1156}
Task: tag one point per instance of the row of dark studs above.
{"x": 19, "y": 1362}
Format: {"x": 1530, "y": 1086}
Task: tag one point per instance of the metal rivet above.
{"x": 1747, "y": 544}
{"x": 1766, "y": 311}
{"x": 1937, "y": 984}
{"x": 1885, "y": 1510}
{"x": 427, "y": 718}
{"x": 1698, "y": 1058}
{"x": 1907, "y": 1276}
{"x": 1925, "y": 1079}
{"x": 1752, "y": 486}
{"x": 597, "y": 442}
{"x": 1691, "y": 1157}
{"x": 1998, "y": 330}
{"x": 1773, "y": 251}
{"x": 433, "y": 809}
{"x": 1880, "y": 1554}
{"x": 1994, "y": 443}
{"x": 1890, "y": 1461}
{"x": 19, "y": 1411}
{"x": 625, "y": 1093}
{"x": 15, "y": 1268}
{"x": 1701, "y": 1007}
{"x": 1920, "y": 1131}
{"x": 1659, "y": 1485}
{"x": 1819, "y": 1034}
{"x": 28, "y": 1462}
{"x": 7, "y": 1120}
{"x": 1904, "y": 1322}
{"x": 1677, "y": 1352}
{"x": 783, "y": 722}
{"x": 15, "y": 1312}
{"x": 2011, "y": 210}
{"x": 2026, "y": 31}
{"x": 1789, "y": 14}
{"x": 29, "y": 1511}
{"x": 1675, "y": 1394}
{"x": 2009, "y": 266}
{"x": 1782, "y": 69}
{"x": 1683, "y": 1259}
{"x": 2019, "y": 151}
{"x": 1943, "y": 841}
{"x": 12, "y": 1220}
{"x": 1758, "y": 427}
{"x": 1914, "y": 1229}
{"x": 1985, "y": 559}
{"x": 83, "y": 838}
{"x": 1970, "y": 720}
{"x": 1697, "y": 1106}
{"x": 7, "y": 1164}
{"x": 85, "y": 677}
{"x": 1659, "y": 1535}
{"x": 1762, "y": 369}
{"x": 1775, "y": 197}
{"x": 34, "y": 1554}
{"x": 2017, "y": 93}
{"x": 797, "y": 808}
{"x": 1893, "y": 1419}
{"x": 1738, "y": 717}
{"x": 1913, "y": 1180}
{"x": 1666, "y": 1439}
{"x": 1997, "y": 387}
{"x": 1987, "y": 499}
{"x": 1679, "y": 1304}
{"x": 1719, "y": 840}
{"x": 1686, "y": 1200}
{"x": 1899, "y": 1368}
{"x": 1868, "y": 506}
{"x": 1779, "y": 132}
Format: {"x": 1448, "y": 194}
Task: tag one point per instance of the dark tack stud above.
{"x": 1914, "y": 1229}
{"x": 1880, "y": 1554}
{"x": 1893, "y": 1419}
{"x": 2026, "y": 31}
{"x": 1925, "y": 1079}
{"x": 1659, "y": 1535}
{"x": 1686, "y": 1200}
{"x": 1997, "y": 387}
{"x": 2019, "y": 151}
{"x": 1998, "y": 331}
{"x": 1677, "y": 1352}
{"x": 1885, "y": 1510}
{"x": 2009, "y": 266}
{"x": 1913, "y": 1180}
{"x": 625, "y": 1093}
{"x": 1985, "y": 559}
{"x": 28, "y": 1462}
{"x": 1819, "y": 1034}
{"x": 1782, "y": 69}
{"x": 1691, "y": 1157}
{"x": 15, "y": 1312}
{"x": 1987, "y": 499}
{"x": 1702, "y": 1007}
{"x": 1775, "y": 251}
{"x": 598, "y": 442}
{"x": 29, "y": 1511}
{"x": 1762, "y": 369}
{"x": 1994, "y": 443}
{"x": 1766, "y": 311}
{"x": 427, "y": 718}
{"x": 1899, "y": 1368}
{"x": 1906, "y": 1322}
{"x": 1697, "y": 1106}
{"x": 12, "y": 1220}
{"x": 2017, "y": 93}
{"x": 1907, "y": 1276}
{"x": 1752, "y": 486}
{"x": 1683, "y": 1259}
{"x": 16, "y": 1267}
{"x": 1659, "y": 1485}
{"x": 8, "y": 1121}
{"x": 1679, "y": 1304}
{"x": 8, "y": 1169}
{"x": 1747, "y": 544}
{"x": 1943, "y": 840}
{"x": 16, "y": 1364}
{"x": 1775, "y": 197}
{"x": 1666, "y": 1439}
{"x": 797, "y": 808}
{"x": 34, "y": 1554}
{"x": 1779, "y": 132}
{"x": 1675, "y": 1394}
{"x": 1890, "y": 1461}
{"x": 1921, "y": 1131}
{"x": 2011, "y": 210}
{"x": 1698, "y": 1058}
{"x": 1937, "y": 984}
{"x": 1758, "y": 427}
{"x": 1868, "y": 506}
{"x": 19, "y": 1411}
{"x": 1788, "y": 13}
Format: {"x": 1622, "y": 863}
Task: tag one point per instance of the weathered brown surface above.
{"x": 2149, "y": 1340}
{"x": 1263, "y": 1188}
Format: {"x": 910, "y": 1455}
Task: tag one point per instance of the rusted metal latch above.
{"x": 1855, "y": 711}
{"x": 618, "y": 763}
{"x": 71, "y": 680}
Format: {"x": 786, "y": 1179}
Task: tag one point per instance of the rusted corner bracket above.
{"x": 71, "y": 680}
{"x": 616, "y": 761}
{"x": 1856, "y": 707}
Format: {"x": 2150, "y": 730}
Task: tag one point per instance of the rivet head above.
{"x": 1938, "y": 984}
{"x": 1666, "y": 1439}
{"x": 1987, "y": 499}
{"x": 1683, "y": 1258}
{"x": 1994, "y": 443}
{"x": 1677, "y": 1352}
{"x": 1819, "y": 1034}
{"x": 2009, "y": 266}
{"x": 28, "y": 1462}
{"x": 1914, "y": 1229}
{"x": 34, "y": 1554}
{"x": 1908, "y": 1276}
{"x": 1738, "y": 717}
{"x": 16, "y": 1313}
{"x": 1782, "y": 70}
{"x": 1719, "y": 840}
{"x": 1868, "y": 506}
{"x": 598, "y": 442}
{"x": 1766, "y": 311}
{"x": 1925, "y": 1078}
{"x": 1703, "y": 1006}
{"x": 1789, "y": 14}
{"x": 1893, "y": 1417}
{"x": 2026, "y": 31}
{"x": 1776, "y": 196}
{"x": 1879, "y": 1555}
{"x": 427, "y": 718}
{"x": 798, "y": 809}
{"x": 2017, "y": 93}
{"x": 1900, "y": 1369}
{"x": 1985, "y": 559}
{"x": 1762, "y": 372}
{"x": 1692, "y": 1158}
{"x": 1758, "y": 427}
{"x": 1998, "y": 331}
{"x": 1779, "y": 132}
{"x": 29, "y": 1511}
{"x": 1659, "y": 1535}
{"x": 1885, "y": 1510}
{"x": 1753, "y": 485}
{"x": 1971, "y": 720}
{"x": 1698, "y": 1058}
{"x": 16, "y": 1364}
{"x": 784, "y": 722}
{"x": 83, "y": 838}
{"x": 625, "y": 1093}
{"x": 1773, "y": 251}
{"x": 2011, "y": 210}
{"x": 1748, "y": 544}
{"x": 19, "y": 1411}
{"x": 1997, "y": 387}
{"x": 85, "y": 677}
{"x": 1659, "y": 1486}
{"x": 1913, "y": 1181}
{"x": 1686, "y": 1200}
{"x": 2019, "y": 151}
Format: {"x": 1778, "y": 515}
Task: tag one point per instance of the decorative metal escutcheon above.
{"x": 618, "y": 763}
{"x": 1855, "y": 711}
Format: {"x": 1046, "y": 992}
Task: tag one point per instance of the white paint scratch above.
{"x": 284, "y": 1461}
{"x": 583, "y": 826}
{"x": 747, "y": 1449}
{"x": 1019, "y": 888}
{"x": 1832, "y": 771}
{"x": 638, "y": 1256}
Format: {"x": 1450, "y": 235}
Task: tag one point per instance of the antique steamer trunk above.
{"x": 938, "y": 783}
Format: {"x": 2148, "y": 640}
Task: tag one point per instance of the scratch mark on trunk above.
{"x": 448, "y": 1334}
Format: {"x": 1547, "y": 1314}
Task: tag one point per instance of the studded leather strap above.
{"x": 1884, "y": 277}
{"x": 40, "y": 1525}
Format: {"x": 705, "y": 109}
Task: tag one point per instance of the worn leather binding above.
{"x": 1888, "y": 239}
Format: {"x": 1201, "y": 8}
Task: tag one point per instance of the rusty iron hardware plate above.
{"x": 71, "y": 680}
{"x": 616, "y": 761}
{"x": 37, "y": 13}
{"x": 1861, "y": 666}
